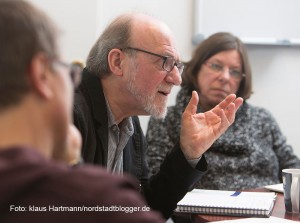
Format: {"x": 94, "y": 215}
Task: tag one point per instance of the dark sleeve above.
{"x": 173, "y": 175}
{"x": 175, "y": 178}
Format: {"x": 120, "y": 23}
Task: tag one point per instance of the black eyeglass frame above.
{"x": 178, "y": 64}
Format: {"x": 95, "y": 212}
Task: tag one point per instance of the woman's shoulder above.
{"x": 256, "y": 111}
{"x": 256, "y": 108}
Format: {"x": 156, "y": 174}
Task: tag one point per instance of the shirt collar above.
{"x": 125, "y": 125}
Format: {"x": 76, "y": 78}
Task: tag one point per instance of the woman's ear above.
{"x": 40, "y": 76}
{"x": 115, "y": 59}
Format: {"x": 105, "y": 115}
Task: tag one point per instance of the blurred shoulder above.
{"x": 255, "y": 111}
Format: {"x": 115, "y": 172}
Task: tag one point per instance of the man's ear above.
{"x": 40, "y": 76}
{"x": 115, "y": 59}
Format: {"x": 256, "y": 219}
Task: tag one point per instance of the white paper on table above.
{"x": 275, "y": 187}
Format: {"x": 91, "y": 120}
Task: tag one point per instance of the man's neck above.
{"x": 20, "y": 127}
{"x": 120, "y": 102}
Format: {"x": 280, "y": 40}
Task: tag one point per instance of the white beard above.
{"x": 150, "y": 103}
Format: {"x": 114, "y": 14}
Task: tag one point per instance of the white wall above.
{"x": 78, "y": 23}
{"x": 276, "y": 70}
{"x": 276, "y": 74}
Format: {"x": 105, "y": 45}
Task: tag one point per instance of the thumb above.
{"x": 191, "y": 108}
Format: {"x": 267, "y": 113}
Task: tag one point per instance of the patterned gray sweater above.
{"x": 250, "y": 154}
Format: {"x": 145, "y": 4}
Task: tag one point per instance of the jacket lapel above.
{"x": 94, "y": 94}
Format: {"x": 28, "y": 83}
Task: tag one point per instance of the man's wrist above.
{"x": 194, "y": 162}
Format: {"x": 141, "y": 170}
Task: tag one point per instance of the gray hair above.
{"x": 116, "y": 35}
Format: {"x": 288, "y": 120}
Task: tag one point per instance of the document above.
{"x": 275, "y": 187}
{"x": 235, "y": 203}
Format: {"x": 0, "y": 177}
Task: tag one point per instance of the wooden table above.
{"x": 278, "y": 211}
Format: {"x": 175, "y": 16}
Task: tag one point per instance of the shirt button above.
{"x": 115, "y": 128}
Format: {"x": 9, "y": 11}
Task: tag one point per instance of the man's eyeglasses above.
{"x": 75, "y": 70}
{"x": 218, "y": 68}
{"x": 168, "y": 61}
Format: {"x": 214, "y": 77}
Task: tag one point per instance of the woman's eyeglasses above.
{"x": 218, "y": 69}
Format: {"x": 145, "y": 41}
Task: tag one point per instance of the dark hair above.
{"x": 24, "y": 31}
{"x": 116, "y": 35}
{"x": 214, "y": 44}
